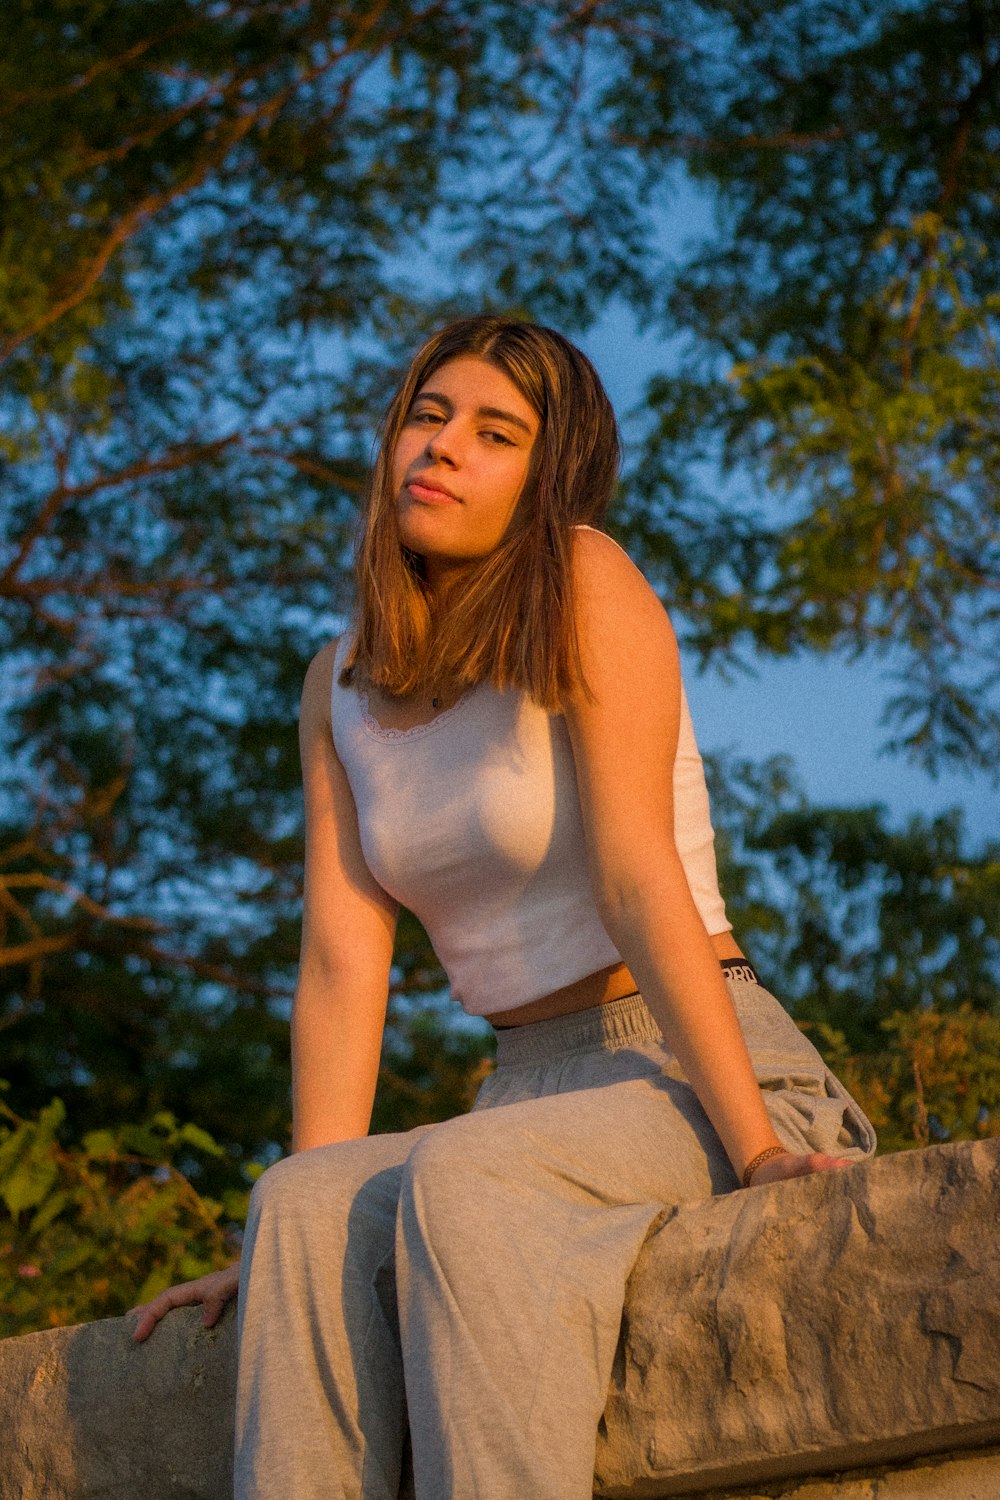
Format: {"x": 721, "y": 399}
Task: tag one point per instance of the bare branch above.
{"x": 34, "y": 880}
{"x": 316, "y": 468}
{"x": 15, "y": 102}
{"x": 42, "y": 947}
{"x": 63, "y": 493}
{"x": 222, "y": 142}
{"x": 204, "y": 970}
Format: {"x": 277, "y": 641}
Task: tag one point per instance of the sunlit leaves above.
{"x": 936, "y": 1076}
{"x": 839, "y": 382}
{"x": 90, "y": 1228}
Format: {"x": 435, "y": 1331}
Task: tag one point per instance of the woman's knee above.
{"x": 328, "y": 1181}
{"x": 452, "y": 1149}
{"x": 445, "y": 1175}
{"x": 279, "y": 1190}
{"x": 438, "y": 1193}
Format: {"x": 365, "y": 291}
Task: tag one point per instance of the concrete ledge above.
{"x": 843, "y": 1322}
{"x": 88, "y": 1414}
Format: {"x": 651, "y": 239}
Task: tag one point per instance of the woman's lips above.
{"x": 429, "y": 495}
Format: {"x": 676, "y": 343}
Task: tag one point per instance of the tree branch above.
{"x": 42, "y": 947}
{"x": 154, "y": 203}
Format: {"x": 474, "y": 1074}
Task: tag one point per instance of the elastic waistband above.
{"x": 603, "y": 1028}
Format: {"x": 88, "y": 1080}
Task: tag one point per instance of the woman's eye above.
{"x": 427, "y": 417}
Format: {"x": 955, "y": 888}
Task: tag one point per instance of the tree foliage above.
{"x": 838, "y": 356}
{"x": 935, "y": 1078}
{"x": 89, "y": 1229}
{"x": 214, "y": 217}
{"x": 883, "y": 943}
{"x": 223, "y": 225}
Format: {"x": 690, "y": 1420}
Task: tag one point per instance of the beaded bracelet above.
{"x": 759, "y": 1159}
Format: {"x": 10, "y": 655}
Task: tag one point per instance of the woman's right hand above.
{"x": 213, "y": 1291}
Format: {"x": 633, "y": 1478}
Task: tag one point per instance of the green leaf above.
{"x": 102, "y": 1145}
{"x": 193, "y": 1135}
{"x": 26, "y": 1182}
{"x": 49, "y": 1211}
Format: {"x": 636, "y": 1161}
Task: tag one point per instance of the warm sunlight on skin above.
{"x": 460, "y": 464}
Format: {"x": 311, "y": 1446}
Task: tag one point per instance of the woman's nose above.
{"x": 443, "y": 444}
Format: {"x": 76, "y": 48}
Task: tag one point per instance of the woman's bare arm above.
{"x": 348, "y": 926}
{"x": 338, "y": 1015}
{"x": 624, "y": 742}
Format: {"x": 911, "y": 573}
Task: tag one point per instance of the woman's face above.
{"x": 461, "y": 462}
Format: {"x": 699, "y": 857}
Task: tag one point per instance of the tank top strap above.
{"x": 582, "y": 526}
{"x": 340, "y": 653}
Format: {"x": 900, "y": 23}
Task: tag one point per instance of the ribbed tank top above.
{"x": 473, "y": 822}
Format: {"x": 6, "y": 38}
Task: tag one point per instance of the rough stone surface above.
{"x": 88, "y": 1414}
{"x": 960, "y": 1476}
{"x": 842, "y": 1319}
{"x": 841, "y": 1322}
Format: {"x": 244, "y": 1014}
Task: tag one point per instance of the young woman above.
{"x": 501, "y": 743}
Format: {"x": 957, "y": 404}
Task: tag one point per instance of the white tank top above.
{"x": 472, "y": 821}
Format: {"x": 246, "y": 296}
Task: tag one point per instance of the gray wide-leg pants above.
{"x": 467, "y": 1279}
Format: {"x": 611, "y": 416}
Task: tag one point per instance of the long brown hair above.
{"x": 509, "y": 620}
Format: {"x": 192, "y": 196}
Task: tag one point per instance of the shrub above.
{"x": 89, "y": 1229}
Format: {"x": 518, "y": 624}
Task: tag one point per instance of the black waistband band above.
{"x": 741, "y": 970}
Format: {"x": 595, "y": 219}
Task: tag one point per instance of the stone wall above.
{"x": 834, "y": 1336}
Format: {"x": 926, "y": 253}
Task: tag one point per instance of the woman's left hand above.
{"x": 777, "y": 1168}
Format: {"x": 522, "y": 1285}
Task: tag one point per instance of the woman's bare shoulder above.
{"x": 318, "y": 683}
{"x": 609, "y": 588}
{"x": 592, "y": 546}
